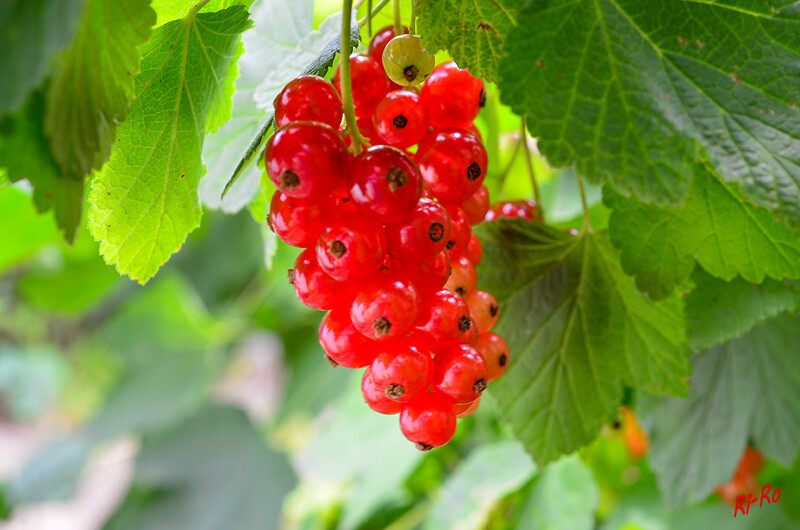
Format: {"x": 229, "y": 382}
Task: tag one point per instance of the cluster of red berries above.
{"x": 388, "y": 247}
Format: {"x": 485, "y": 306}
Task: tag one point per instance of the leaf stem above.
{"x": 398, "y": 22}
{"x": 369, "y": 16}
{"x": 537, "y": 196}
{"x": 412, "y": 25}
{"x": 587, "y": 221}
{"x": 196, "y": 9}
{"x": 347, "y": 90}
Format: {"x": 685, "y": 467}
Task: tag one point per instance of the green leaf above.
{"x": 487, "y": 474}
{"x": 212, "y": 471}
{"x": 725, "y": 233}
{"x": 577, "y": 329}
{"x": 743, "y": 389}
{"x": 25, "y": 152}
{"x": 717, "y": 311}
{"x": 144, "y": 201}
{"x": 473, "y": 32}
{"x": 31, "y": 230}
{"x": 565, "y": 496}
{"x": 93, "y": 84}
{"x": 31, "y": 33}
{"x": 627, "y": 92}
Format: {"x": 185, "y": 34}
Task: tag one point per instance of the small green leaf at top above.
{"x": 577, "y": 330}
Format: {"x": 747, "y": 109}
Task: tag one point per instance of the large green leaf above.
{"x": 725, "y": 233}
{"x": 473, "y": 32}
{"x": 144, "y": 201}
{"x": 744, "y": 389}
{"x": 93, "y": 84}
{"x": 31, "y": 32}
{"x": 717, "y": 311}
{"x": 626, "y": 89}
{"x": 577, "y": 329}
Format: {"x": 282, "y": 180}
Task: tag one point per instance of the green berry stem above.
{"x": 587, "y": 221}
{"x": 398, "y": 23}
{"x": 531, "y": 171}
{"x": 374, "y": 11}
{"x": 347, "y": 89}
{"x": 369, "y": 19}
{"x": 412, "y": 26}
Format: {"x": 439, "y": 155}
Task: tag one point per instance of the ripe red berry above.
{"x": 494, "y": 351}
{"x": 460, "y": 373}
{"x": 385, "y": 306}
{"x": 454, "y": 165}
{"x": 428, "y": 420}
{"x": 476, "y": 205}
{"x": 306, "y": 159}
{"x": 384, "y": 184}
{"x": 519, "y": 209}
{"x": 403, "y": 369}
{"x": 351, "y": 247}
{"x": 483, "y": 309}
{"x": 314, "y": 287}
{"x": 474, "y": 251}
{"x": 445, "y": 317}
{"x": 369, "y": 84}
{"x": 308, "y": 98}
{"x": 375, "y": 397}
{"x": 342, "y": 343}
{"x": 466, "y": 409}
{"x": 401, "y": 119}
{"x": 460, "y": 231}
{"x": 423, "y": 235}
{"x": 472, "y": 335}
{"x": 380, "y": 40}
{"x": 427, "y": 276}
{"x": 463, "y": 277}
{"x": 453, "y": 97}
{"x": 298, "y": 222}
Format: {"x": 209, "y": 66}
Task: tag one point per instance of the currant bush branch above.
{"x": 347, "y": 89}
{"x": 398, "y": 23}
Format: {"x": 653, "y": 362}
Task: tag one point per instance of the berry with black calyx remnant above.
{"x": 401, "y": 120}
{"x": 343, "y": 345}
{"x": 428, "y": 420}
{"x": 403, "y": 369}
{"x": 406, "y": 62}
{"x": 351, "y": 246}
{"x": 308, "y": 98}
{"x": 459, "y": 372}
{"x": 494, "y": 351}
{"x": 483, "y": 308}
{"x": 423, "y": 235}
{"x": 445, "y": 317}
{"x": 463, "y": 276}
{"x": 384, "y": 184}
{"x": 385, "y": 306}
{"x": 375, "y": 397}
{"x": 314, "y": 287}
{"x": 454, "y": 163}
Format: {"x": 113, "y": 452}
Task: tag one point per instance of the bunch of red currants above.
{"x": 388, "y": 247}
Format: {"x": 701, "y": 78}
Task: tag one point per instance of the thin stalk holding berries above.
{"x": 531, "y": 171}
{"x": 587, "y": 221}
{"x": 347, "y": 89}
{"x": 398, "y": 22}
{"x": 412, "y": 25}
{"x": 372, "y": 12}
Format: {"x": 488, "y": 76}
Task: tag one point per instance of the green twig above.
{"x": 347, "y": 89}
{"x": 398, "y": 22}
{"x": 587, "y": 221}
{"x": 369, "y": 16}
{"x": 412, "y": 26}
{"x": 196, "y": 9}
{"x": 537, "y": 196}
{"x": 369, "y": 19}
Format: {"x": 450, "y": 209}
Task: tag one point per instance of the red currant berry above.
{"x": 454, "y": 165}
{"x": 315, "y": 288}
{"x": 297, "y": 222}
{"x": 308, "y": 98}
{"x": 385, "y": 184}
{"x": 429, "y": 421}
{"x": 494, "y": 351}
{"x": 427, "y": 276}
{"x": 351, "y": 247}
{"x": 477, "y": 205}
{"x": 375, "y": 397}
{"x": 401, "y": 119}
{"x": 445, "y": 317}
{"x": 463, "y": 410}
{"x": 519, "y": 209}
{"x": 380, "y": 40}
{"x": 474, "y": 130}
{"x": 463, "y": 277}
{"x": 403, "y": 369}
{"x": 460, "y": 373}
{"x": 427, "y": 192}
{"x": 483, "y": 309}
{"x": 306, "y": 159}
{"x": 460, "y": 231}
{"x": 369, "y": 84}
{"x": 474, "y": 251}
{"x": 342, "y": 343}
{"x": 386, "y": 306}
{"x": 453, "y": 97}
{"x": 423, "y": 235}
{"x": 472, "y": 335}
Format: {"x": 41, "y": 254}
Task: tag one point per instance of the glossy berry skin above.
{"x": 314, "y": 287}
{"x": 474, "y": 251}
{"x": 309, "y": 98}
{"x": 445, "y": 317}
{"x": 342, "y": 343}
{"x": 298, "y": 222}
{"x": 463, "y": 410}
{"x": 385, "y": 306}
{"x": 459, "y": 372}
{"x": 380, "y": 40}
{"x": 375, "y": 397}
{"x": 406, "y": 62}
{"x": 483, "y": 309}
{"x": 463, "y": 277}
{"x": 306, "y": 159}
{"x": 494, "y": 351}
{"x": 369, "y": 84}
{"x": 472, "y": 335}
{"x": 519, "y": 209}
{"x": 453, "y": 97}
{"x": 427, "y": 276}
{"x": 477, "y": 205}
{"x": 423, "y": 235}
{"x": 460, "y": 231}
{"x": 384, "y": 184}
{"x": 428, "y": 420}
{"x": 351, "y": 247}
{"x": 401, "y": 120}
{"x": 454, "y": 165}
{"x": 404, "y": 370}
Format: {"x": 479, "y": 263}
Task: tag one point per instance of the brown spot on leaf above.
{"x": 683, "y": 41}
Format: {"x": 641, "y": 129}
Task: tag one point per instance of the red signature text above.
{"x": 748, "y": 500}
